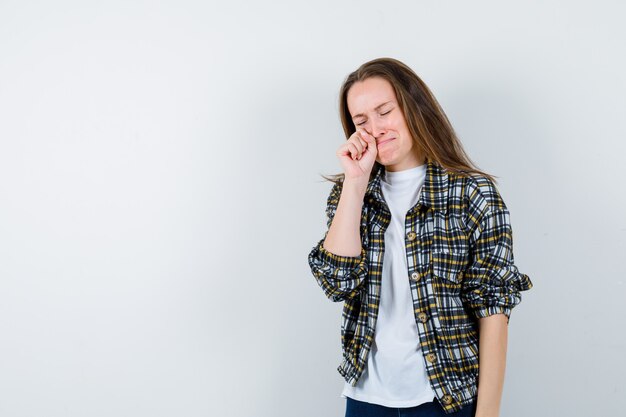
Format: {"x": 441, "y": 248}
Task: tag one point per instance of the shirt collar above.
{"x": 434, "y": 192}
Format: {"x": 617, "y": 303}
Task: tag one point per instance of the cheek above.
{"x": 399, "y": 126}
{"x": 405, "y": 131}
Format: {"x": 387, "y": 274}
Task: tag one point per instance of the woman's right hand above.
{"x": 357, "y": 156}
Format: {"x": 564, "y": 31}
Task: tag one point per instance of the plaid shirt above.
{"x": 459, "y": 253}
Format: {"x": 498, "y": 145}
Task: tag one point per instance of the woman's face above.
{"x": 373, "y": 107}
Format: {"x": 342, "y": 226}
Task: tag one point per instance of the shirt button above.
{"x": 431, "y": 357}
{"x": 411, "y": 235}
{"x": 447, "y": 399}
{"x": 422, "y": 317}
{"x": 415, "y": 276}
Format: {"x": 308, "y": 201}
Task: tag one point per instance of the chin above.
{"x": 387, "y": 161}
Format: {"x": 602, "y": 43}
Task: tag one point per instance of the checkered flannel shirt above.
{"x": 459, "y": 253}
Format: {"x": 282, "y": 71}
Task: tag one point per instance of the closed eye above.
{"x": 382, "y": 114}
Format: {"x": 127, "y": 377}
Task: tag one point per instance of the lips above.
{"x": 384, "y": 141}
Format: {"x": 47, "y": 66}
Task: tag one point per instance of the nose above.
{"x": 377, "y": 128}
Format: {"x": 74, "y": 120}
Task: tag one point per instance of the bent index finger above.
{"x": 366, "y": 136}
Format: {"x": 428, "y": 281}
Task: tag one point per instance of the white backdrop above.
{"x": 160, "y": 192}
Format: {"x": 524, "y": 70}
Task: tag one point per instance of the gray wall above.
{"x": 160, "y": 192}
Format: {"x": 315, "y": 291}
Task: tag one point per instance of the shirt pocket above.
{"x": 449, "y": 266}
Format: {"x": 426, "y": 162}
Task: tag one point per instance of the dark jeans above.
{"x": 355, "y": 408}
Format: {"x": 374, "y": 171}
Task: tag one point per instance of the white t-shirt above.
{"x": 395, "y": 375}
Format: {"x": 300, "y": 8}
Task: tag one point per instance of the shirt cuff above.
{"x": 339, "y": 261}
{"x": 487, "y": 311}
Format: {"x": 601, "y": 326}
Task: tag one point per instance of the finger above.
{"x": 358, "y": 147}
{"x": 357, "y": 143}
{"x": 353, "y": 150}
{"x": 367, "y": 137}
{"x": 344, "y": 150}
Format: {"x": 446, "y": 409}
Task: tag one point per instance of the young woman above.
{"x": 419, "y": 248}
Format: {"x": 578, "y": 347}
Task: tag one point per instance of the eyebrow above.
{"x": 377, "y": 107}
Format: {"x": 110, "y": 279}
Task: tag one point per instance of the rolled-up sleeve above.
{"x": 339, "y": 276}
{"x": 492, "y": 282}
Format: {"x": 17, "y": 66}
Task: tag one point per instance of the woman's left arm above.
{"x": 493, "y": 334}
{"x": 491, "y": 289}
